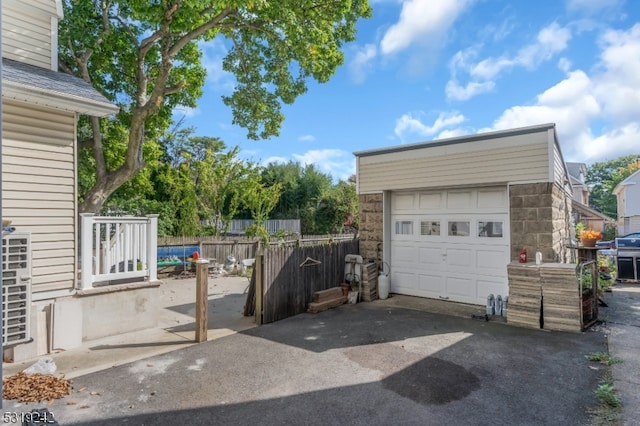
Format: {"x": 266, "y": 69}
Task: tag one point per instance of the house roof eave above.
{"x": 43, "y": 86}
{"x": 626, "y": 182}
{"x": 58, "y": 100}
{"x": 586, "y": 209}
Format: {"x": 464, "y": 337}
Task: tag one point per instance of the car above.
{"x": 611, "y": 244}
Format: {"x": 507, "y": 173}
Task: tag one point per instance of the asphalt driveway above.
{"x": 366, "y": 364}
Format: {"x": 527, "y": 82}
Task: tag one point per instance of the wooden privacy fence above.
{"x": 285, "y": 278}
{"x": 218, "y": 248}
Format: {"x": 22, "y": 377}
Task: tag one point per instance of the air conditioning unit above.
{"x": 16, "y": 288}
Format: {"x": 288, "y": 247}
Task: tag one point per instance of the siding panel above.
{"x": 423, "y": 169}
{"x": 558, "y": 168}
{"x": 27, "y": 32}
{"x": 26, "y": 126}
{"x": 39, "y": 192}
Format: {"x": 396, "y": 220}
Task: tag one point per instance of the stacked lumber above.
{"x": 525, "y": 295}
{"x": 326, "y": 299}
{"x": 369, "y": 285}
{"x": 562, "y": 309}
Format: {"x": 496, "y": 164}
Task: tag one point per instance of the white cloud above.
{"x": 213, "y": 52}
{"x": 596, "y": 115}
{"x": 570, "y": 104}
{"x": 550, "y": 40}
{"x": 338, "y": 163}
{"x": 498, "y": 33}
{"x": 186, "y": 111}
{"x": 275, "y": 160}
{"x": 612, "y": 144}
{"x": 462, "y": 93}
{"x": 591, "y": 7}
{"x": 409, "y": 127}
{"x": 577, "y": 86}
{"x": 307, "y": 138}
{"x": 618, "y": 86}
{"x": 564, "y": 64}
{"x": 361, "y": 62}
{"x": 420, "y": 21}
{"x": 482, "y": 75}
{"x": 452, "y": 133}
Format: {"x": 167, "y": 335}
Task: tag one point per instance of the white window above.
{"x": 404, "y": 227}
{"x": 490, "y": 229}
{"x": 459, "y": 228}
{"x": 430, "y": 227}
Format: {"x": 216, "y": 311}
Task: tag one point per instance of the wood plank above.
{"x": 202, "y": 299}
{"x": 315, "y": 307}
{"x": 328, "y": 294}
{"x": 259, "y": 292}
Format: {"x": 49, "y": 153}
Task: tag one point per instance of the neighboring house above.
{"x": 39, "y": 167}
{"x": 450, "y": 215}
{"x": 591, "y": 218}
{"x": 578, "y": 174}
{"x": 628, "y": 195}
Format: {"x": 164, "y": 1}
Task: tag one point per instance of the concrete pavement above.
{"x": 622, "y": 318}
{"x": 398, "y": 361}
{"x": 175, "y": 328}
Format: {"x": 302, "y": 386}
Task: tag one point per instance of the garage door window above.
{"x": 459, "y": 229}
{"x": 490, "y": 229}
{"x": 430, "y": 227}
{"x": 404, "y": 227}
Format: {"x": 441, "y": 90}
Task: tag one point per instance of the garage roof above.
{"x": 457, "y": 140}
{"x": 527, "y": 154}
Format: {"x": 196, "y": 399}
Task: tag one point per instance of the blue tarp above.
{"x": 176, "y": 255}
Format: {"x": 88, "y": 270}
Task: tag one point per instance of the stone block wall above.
{"x": 540, "y": 221}
{"x": 371, "y": 226}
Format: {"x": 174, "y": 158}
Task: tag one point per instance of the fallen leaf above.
{"x": 35, "y": 387}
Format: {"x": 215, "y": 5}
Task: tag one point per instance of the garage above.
{"x": 450, "y": 244}
{"x": 448, "y": 216}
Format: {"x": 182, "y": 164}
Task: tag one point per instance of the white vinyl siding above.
{"x": 490, "y": 162}
{"x": 634, "y": 224}
{"x": 28, "y": 31}
{"x": 631, "y": 205}
{"x": 39, "y": 190}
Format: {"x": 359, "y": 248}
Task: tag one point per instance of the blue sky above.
{"x": 422, "y": 70}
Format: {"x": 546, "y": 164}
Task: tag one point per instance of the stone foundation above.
{"x": 540, "y": 221}
{"x": 371, "y": 226}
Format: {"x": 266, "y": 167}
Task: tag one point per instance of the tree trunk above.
{"x": 95, "y": 198}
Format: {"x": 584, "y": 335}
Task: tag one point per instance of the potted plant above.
{"x": 588, "y": 237}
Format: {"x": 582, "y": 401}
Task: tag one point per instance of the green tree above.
{"x": 312, "y": 197}
{"x": 259, "y": 199}
{"x": 144, "y": 56}
{"x": 602, "y": 179}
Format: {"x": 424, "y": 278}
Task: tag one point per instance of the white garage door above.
{"x": 451, "y": 245}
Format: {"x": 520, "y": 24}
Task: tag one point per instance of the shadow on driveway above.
{"x": 358, "y": 364}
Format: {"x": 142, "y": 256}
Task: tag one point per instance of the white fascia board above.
{"x": 57, "y": 100}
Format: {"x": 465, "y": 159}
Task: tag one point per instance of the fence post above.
{"x": 202, "y": 299}
{"x": 152, "y": 246}
{"x": 259, "y": 290}
{"x": 86, "y": 250}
